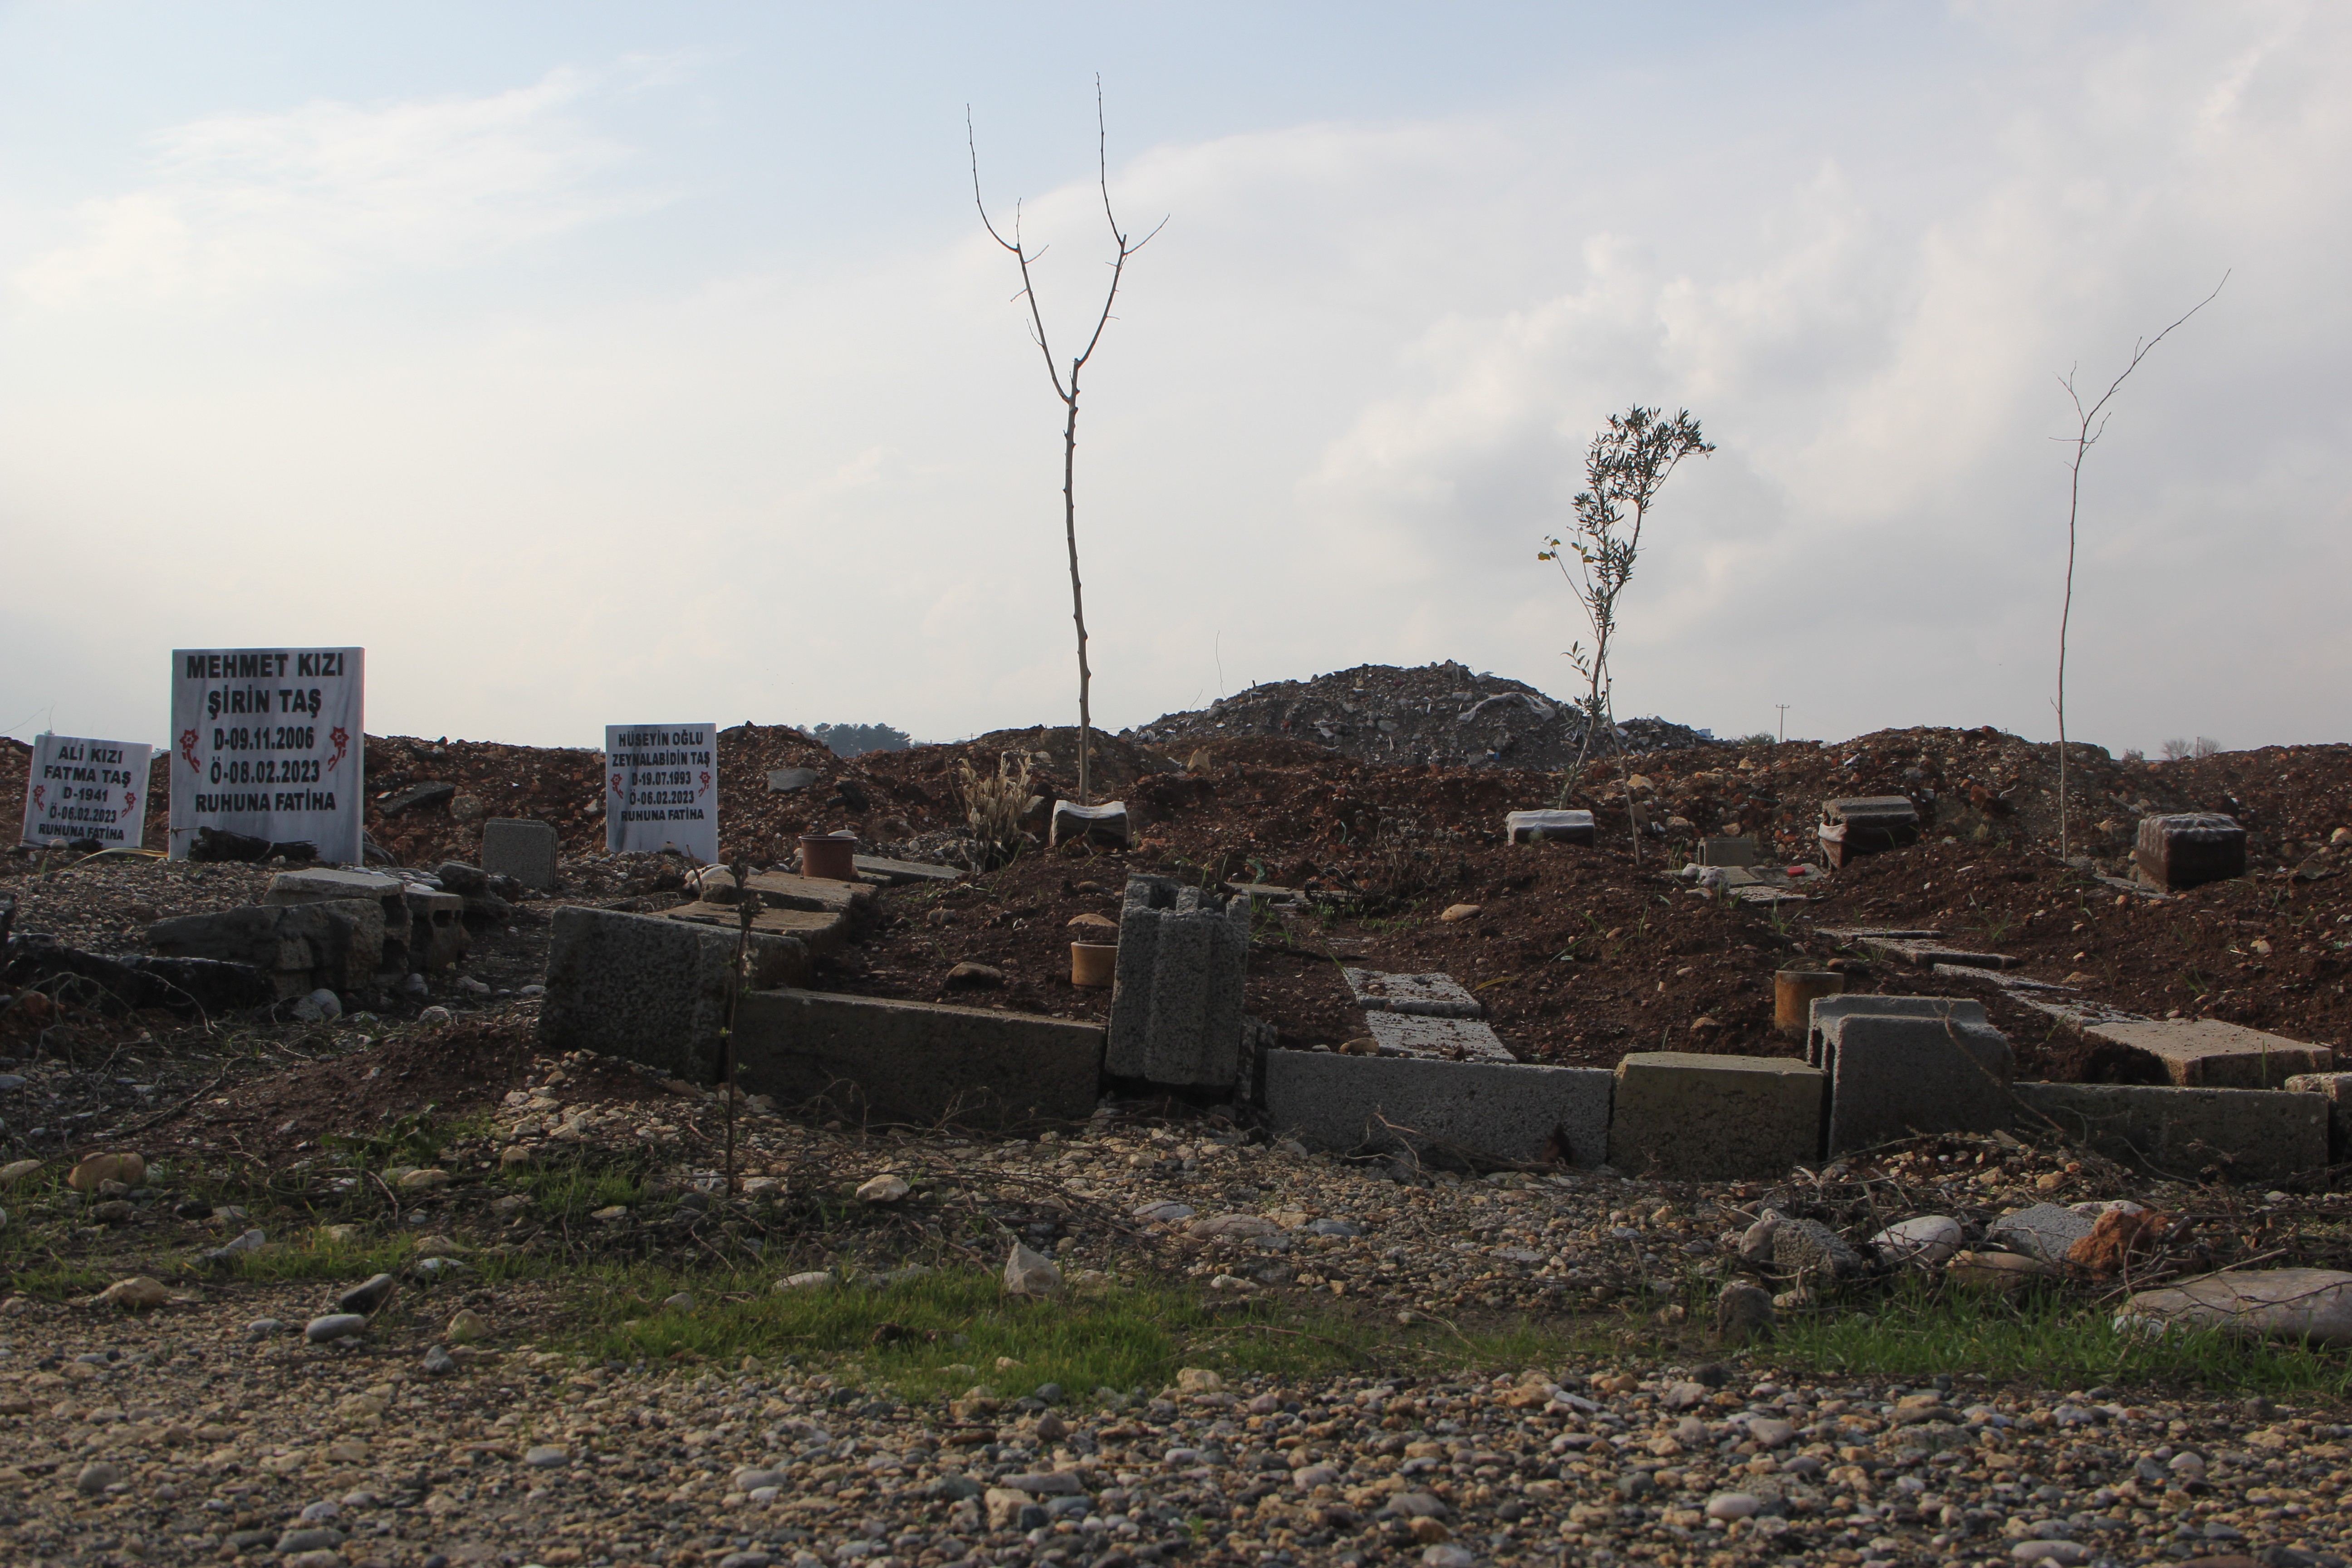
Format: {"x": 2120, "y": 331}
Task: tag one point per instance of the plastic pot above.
{"x": 829, "y": 855}
{"x": 1093, "y": 964}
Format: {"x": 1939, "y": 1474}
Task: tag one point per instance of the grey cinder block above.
{"x": 1176, "y": 994}
{"x": 2188, "y": 848}
{"x": 1845, "y": 1005}
{"x": 335, "y": 943}
{"x": 2252, "y": 1134}
{"x": 436, "y": 928}
{"x": 519, "y": 847}
{"x": 2335, "y": 1088}
{"x": 1104, "y": 823}
{"x": 651, "y": 990}
{"x": 1443, "y": 1039}
{"x": 325, "y": 884}
{"x": 1891, "y": 1076}
{"x": 1505, "y": 1111}
{"x": 1682, "y": 1115}
{"x": 916, "y": 1062}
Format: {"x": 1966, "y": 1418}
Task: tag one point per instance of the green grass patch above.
{"x": 574, "y": 1189}
{"x": 58, "y": 1282}
{"x": 2043, "y": 1340}
{"x": 946, "y": 1332}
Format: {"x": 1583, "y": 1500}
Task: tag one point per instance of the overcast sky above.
{"x": 595, "y": 364}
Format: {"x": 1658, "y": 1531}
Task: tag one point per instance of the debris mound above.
{"x": 1436, "y": 713}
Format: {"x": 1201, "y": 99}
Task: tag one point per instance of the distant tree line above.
{"x": 852, "y": 740}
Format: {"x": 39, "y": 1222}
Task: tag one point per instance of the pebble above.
{"x": 547, "y": 1456}
{"x": 335, "y": 1326}
{"x": 1729, "y": 1506}
{"x": 94, "y": 1478}
{"x": 2050, "y": 1551}
{"x": 367, "y": 1297}
{"x": 438, "y": 1361}
{"x": 885, "y": 1188}
{"x": 262, "y": 1328}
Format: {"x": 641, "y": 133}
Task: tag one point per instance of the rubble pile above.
{"x": 1438, "y": 714}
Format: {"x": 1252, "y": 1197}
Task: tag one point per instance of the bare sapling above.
{"x": 1066, "y": 389}
{"x": 747, "y": 908}
{"x": 2089, "y": 424}
{"x": 1625, "y": 467}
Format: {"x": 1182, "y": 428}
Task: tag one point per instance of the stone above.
{"x": 1030, "y": 1273}
{"x": 1005, "y": 1506}
{"x": 338, "y": 943}
{"x": 94, "y": 1478}
{"x": 1867, "y": 825}
{"x": 1894, "y": 1078}
{"x": 1547, "y": 826}
{"x": 2250, "y": 1135}
{"x": 438, "y": 1362}
{"x": 16, "y": 1171}
{"x": 1176, "y": 994}
{"x": 96, "y": 1170}
{"x": 2335, "y": 1088}
{"x": 334, "y": 1326}
{"x": 1771, "y": 1432}
{"x": 916, "y": 1062}
{"x": 324, "y": 884}
{"x": 2189, "y": 849}
{"x": 321, "y": 1006}
{"x": 521, "y": 849}
{"x": 422, "y": 1181}
{"x": 1924, "y": 1242}
{"x": 466, "y": 1326}
{"x": 883, "y": 1189}
{"x": 1235, "y": 1227}
{"x": 368, "y": 1297}
{"x": 1741, "y": 851}
{"x": 1055, "y": 1483}
{"x": 2003, "y": 1271}
{"x": 2044, "y": 1232}
{"x": 1679, "y": 1116}
{"x": 1824, "y": 1010}
{"x": 416, "y": 797}
{"x": 785, "y": 781}
{"x": 1165, "y": 1213}
{"x": 2206, "y": 1052}
{"x": 1425, "y": 995}
{"x": 1455, "y": 913}
{"x": 814, "y": 1279}
{"x": 970, "y": 974}
{"x": 2050, "y": 1551}
{"x": 2314, "y": 1304}
{"x": 1504, "y": 1111}
{"x": 1810, "y": 1253}
{"x": 1106, "y": 825}
{"x": 1729, "y": 1506}
{"x": 1441, "y": 1039}
{"x": 892, "y": 873}
{"x": 546, "y": 1456}
{"x": 651, "y": 990}
{"x": 137, "y": 1293}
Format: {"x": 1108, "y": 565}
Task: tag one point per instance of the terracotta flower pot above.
{"x": 1093, "y": 964}
{"x": 1793, "y": 991}
{"x": 829, "y": 855}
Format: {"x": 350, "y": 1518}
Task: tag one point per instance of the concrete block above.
{"x": 916, "y": 1062}
{"x": 651, "y": 990}
{"x": 1504, "y": 1111}
{"x": 2205, "y": 1053}
{"x": 1176, "y": 996}
{"x": 1827, "y": 1009}
{"x": 2335, "y": 1088}
{"x": 336, "y": 942}
{"x": 325, "y": 884}
{"x": 2188, "y": 848}
{"x": 1742, "y": 851}
{"x": 1548, "y": 827}
{"x": 785, "y": 781}
{"x": 785, "y": 891}
{"x": 2044, "y": 1231}
{"x": 1681, "y": 1116}
{"x": 1442, "y": 1039}
{"x": 1429, "y": 996}
{"x": 436, "y": 928}
{"x": 2250, "y": 1134}
{"x": 1894, "y": 1077}
{"x": 1104, "y": 824}
{"x": 1864, "y": 825}
{"x": 820, "y": 932}
{"x": 519, "y": 847}
{"x": 899, "y": 873}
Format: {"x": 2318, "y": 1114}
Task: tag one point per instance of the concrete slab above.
{"x": 519, "y": 847}
{"x": 1893, "y": 1077}
{"x": 1731, "y": 852}
{"x": 1928, "y": 953}
{"x": 2335, "y": 1088}
{"x": 1176, "y": 994}
{"x": 2248, "y": 1134}
{"x": 651, "y": 990}
{"x": 917, "y": 1063}
{"x": 1825, "y": 1010}
{"x": 788, "y": 890}
{"x": 2205, "y": 1053}
{"x": 900, "y": 873}
{"x": 1682, "y": 1116}
{"x": 785, "y": 781}
{"x": 1442, "y": 1039}
{"x": 822, "y": 933}
{"x": 1503, "y": 1111}
{"x": 1547, "y": 826}
{"x": 1429, "y": 996}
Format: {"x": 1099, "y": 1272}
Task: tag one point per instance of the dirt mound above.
{"x": 1437, "y": 714}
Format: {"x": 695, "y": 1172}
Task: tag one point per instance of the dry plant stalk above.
{"x": 996, "y": 805}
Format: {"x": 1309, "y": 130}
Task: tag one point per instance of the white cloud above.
{"x": 238, "y": 204}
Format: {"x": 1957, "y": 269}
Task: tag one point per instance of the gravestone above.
{"x": 521, "y": 848}
{"x": 268, "y": 744}
{"x": 1741, "y": 852}
{"x": 661, "y": 789}
{"x": 80, "y": 791}
{"x": 1107, "y": 823}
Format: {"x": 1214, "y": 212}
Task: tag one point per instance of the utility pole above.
{"x": 1784, "y": 721}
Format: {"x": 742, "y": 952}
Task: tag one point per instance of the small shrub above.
{"x": 995, "y": 806}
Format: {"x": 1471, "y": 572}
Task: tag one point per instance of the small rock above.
{"x": 1771, "y": 1432}
{"x": 971, "y": 973}
{"x": 750, "y": 1480}
{"x": 130, "y": 1170}
{"x": 438, "y": 1361}
{"x": 136, "y": 1293}
{"x": 1028, "y": 1273}
{"x": 546, "y": 1456}
{"x": 681, "y": 1303}
{"x": 1742, "y": 1312}
{"x": 611, "y": 1214}
{"x": 1454, "y": 912}
{"x": 1166, "y": 1212}
{"x": 335, "y": 1326}
{"x": 16, "y": 1171}
{"x": 816, "y": 1279}
{"x": 425, "y": 1180}
{"x": 1005, "y": 1506}
{"x": 467, "y": 1326}
{"x": 1729, "y": 1506}
{"x": 435, "y": 1014}
{"x": 1239, "y": 1226}
{"x": 1924, "y": 1242}
{"x": 94, "y": 1478}
{"x": 514, "y": 1155}
{"x": 368, "y": 1297}
{"x": 436, "y": 1246}
{"x": 1447, "y": 1555}
{"x": 1811, "y": 1252}
{"x": 2050, "y": 1551}
{"x": 318, "y": 1538}
{"x": 1756, "y": 1241}
{"x": 1198, "y": 1380}
{"x": 885, "y": 1188}
{"x": 262, "y": 1328}
{"x": 1994, "y": 1270}
{"x": 2043, "y": 1232}
{"x": 321, "y": 1006}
